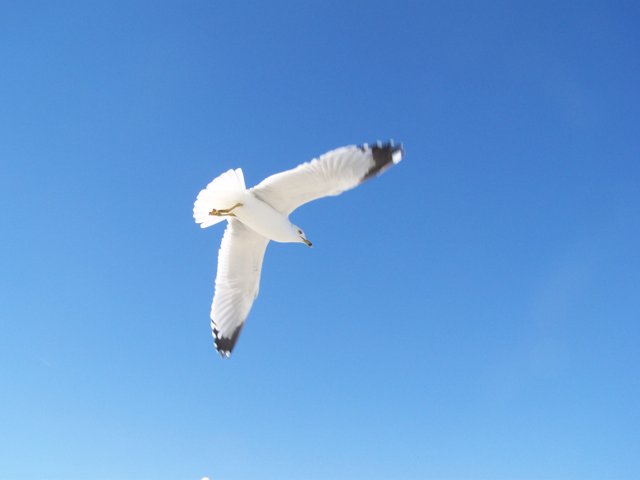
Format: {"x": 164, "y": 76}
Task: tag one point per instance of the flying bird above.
{"x": 259, "y": 214}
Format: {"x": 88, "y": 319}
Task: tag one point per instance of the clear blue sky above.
{"x": 474, "y": 313}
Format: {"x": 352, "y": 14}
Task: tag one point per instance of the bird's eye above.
{"x": 299, "y": 232}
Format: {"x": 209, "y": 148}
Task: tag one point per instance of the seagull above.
{"x": 260, "y": 214}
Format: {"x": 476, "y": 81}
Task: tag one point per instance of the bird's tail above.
{"x": 222, "y": 193}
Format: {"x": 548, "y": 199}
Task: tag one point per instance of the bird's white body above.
{"x": 260, "y": 214}
{"x": 264, "y": 219}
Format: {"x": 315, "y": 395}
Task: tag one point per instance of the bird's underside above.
{"x": 260, "y": 214}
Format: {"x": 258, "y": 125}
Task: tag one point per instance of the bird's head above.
{"x": 301, "y": 237}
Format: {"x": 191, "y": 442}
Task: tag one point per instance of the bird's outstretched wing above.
{"x": 330, "y": 174}
{"x": 237, "y": 283}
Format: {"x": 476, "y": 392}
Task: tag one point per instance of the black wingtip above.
{"x": 384, "y": 156}
{"x": 224, "y": 345}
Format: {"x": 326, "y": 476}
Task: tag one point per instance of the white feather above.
{"x": 223, "y": 192}
{"x": 330, "y": 174}
{"x": 238, "y": 278}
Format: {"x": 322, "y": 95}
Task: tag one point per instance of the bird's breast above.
{"x": 264, "y": 219}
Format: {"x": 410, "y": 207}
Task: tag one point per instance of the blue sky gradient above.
{"x": 473, "y": 313}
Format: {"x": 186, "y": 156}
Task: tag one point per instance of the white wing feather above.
{"x": 237, "y": 282}
{"x": 330, "y": 174}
